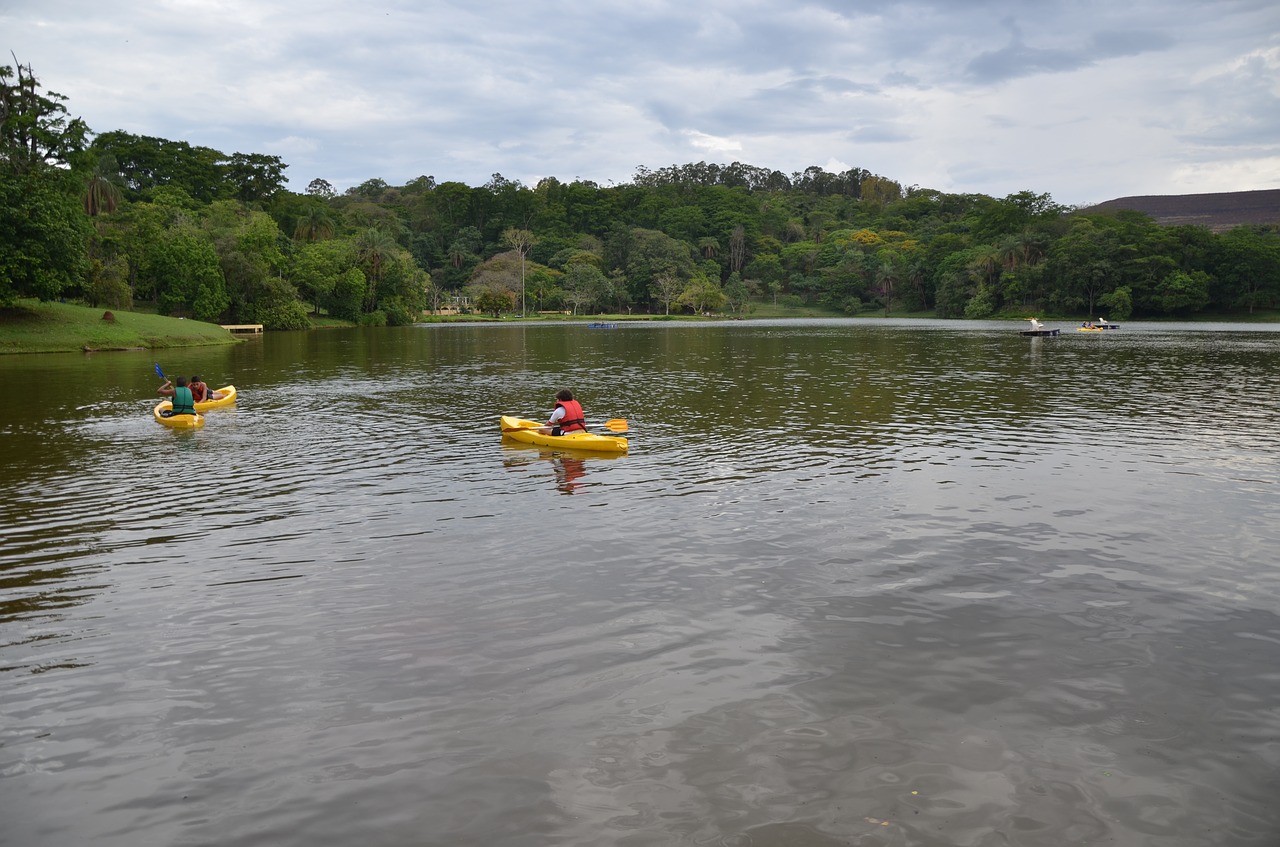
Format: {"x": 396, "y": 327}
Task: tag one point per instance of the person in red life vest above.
{"x": 202, "y": 392}
{"x": 567, "y": 416}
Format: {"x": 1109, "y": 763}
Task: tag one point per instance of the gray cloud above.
{"x": 1086, "y": 100}
{"x": 1017, "y": 59}
{"x": 1239, "y": 107}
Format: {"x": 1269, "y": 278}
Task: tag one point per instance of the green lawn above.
{"x": 34, "y": 327}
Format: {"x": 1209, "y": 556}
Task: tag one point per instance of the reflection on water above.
{"x": 856, "y": 582}
{"x": 568, "y": 467}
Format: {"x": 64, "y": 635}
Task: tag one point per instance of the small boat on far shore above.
{"x": 1099, "y": 326}
{"x": 1039, "y": 329}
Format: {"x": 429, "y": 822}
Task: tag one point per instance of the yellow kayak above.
{"x": 527, "y": 432}
{"x": 176, "y": 421}
{"x": 1088, "y": 329}
{"x": 197, "y": 420}
{"x": 223, "y": 402}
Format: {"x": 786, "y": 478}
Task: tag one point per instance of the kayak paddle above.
{"x": 614, "y": 425}
{"x": 159, "y": 372}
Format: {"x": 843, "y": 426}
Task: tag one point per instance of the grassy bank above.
{"x": 35, "y": 327}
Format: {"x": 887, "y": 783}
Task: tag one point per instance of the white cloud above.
{"x": 1235, "y": 175}
{"x": 713, "y": 144}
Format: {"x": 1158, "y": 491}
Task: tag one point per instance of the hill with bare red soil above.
{"x": 1218, "y": 212}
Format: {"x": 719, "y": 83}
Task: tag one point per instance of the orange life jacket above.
{"x": 573, "y": 419}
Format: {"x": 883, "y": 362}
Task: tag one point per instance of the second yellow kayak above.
{"x": 228, "y": 399}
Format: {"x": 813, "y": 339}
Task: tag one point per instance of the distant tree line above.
{"x": 115, "y": 218}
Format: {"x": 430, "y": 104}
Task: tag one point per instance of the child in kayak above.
{"x": 567, "y": 416}
{"x": 202, "y": 392}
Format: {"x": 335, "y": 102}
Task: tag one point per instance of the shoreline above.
{"x": 33, "y": 327}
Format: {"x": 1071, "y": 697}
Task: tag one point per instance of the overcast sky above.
{"x": 1085, "y": 100}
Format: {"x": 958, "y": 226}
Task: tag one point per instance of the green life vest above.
{"x": 183, "y": 402}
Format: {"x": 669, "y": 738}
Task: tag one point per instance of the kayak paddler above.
{"x": 567, "y": 416}
{"x": 183, "y": 402}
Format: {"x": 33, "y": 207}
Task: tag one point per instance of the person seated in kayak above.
{"x": 202, "y": 392}
{"x": 183, "y": 402}
{"x": 567, "y": 416}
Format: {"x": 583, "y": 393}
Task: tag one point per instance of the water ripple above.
{"x": 854, "y": 581}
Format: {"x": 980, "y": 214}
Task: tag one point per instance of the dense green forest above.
{"x": 115, "y": 219}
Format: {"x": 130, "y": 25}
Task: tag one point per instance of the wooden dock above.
{"x": 242, "y": 327}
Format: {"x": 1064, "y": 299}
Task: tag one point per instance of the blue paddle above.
{"x": 159, "y": 372}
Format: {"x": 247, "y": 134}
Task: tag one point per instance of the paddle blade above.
{"x": 159, "y": 372}
{"x": 615, "y": 425}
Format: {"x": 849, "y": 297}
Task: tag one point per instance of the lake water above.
{"x": 856, "y": 582}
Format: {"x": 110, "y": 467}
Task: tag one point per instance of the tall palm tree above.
{"x": 986, "y": 264}
{"x": 737, "y": 248}
{"x": 102, "y": 193}
{"x": 315, "y": 224}
{"x": 917, "y": 272}
{"x": 375, "y": 247}
{"x": 1022, "y": 250}
{"x": 1010, "y": 252}
{"x": 457, "y": 253}
{"x": 1035, "y": 246}
{"x": 886, "y": 276}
